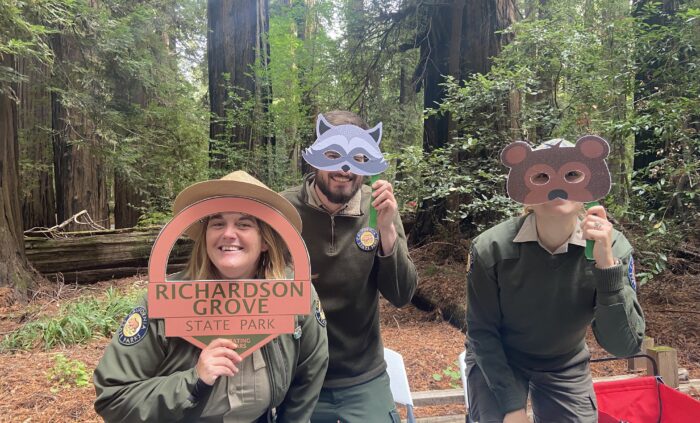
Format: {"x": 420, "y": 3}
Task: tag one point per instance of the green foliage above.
{"x": 632, "y": 76}
{"x": 451, "y": 374}
{"x": 67, "y": 373}
{"x": 76, "y": 322}
{"x": 23, "y": 34}
{"x": 467, "y": 170}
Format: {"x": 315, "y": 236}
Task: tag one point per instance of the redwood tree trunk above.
{"x": 14, "y": 270}
{"x": 475, "y": 24}
{"x": 235, "y": 36}
{"x": 38, "y": 201}
{"x": 80, "y": 172}
{"x": 128, "y": 200}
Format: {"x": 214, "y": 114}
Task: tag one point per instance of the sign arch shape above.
{"x": 168, "y": 302}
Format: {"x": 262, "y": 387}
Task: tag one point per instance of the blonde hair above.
{"x": 272, "y": 263}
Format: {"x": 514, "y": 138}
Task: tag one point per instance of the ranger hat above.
{"x": 235, "y": 184}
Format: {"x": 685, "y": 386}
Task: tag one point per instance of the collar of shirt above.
{"x": 528, "y": 233}
{"x": 351, "y": 208}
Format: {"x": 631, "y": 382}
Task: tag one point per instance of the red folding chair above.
{"x": 643, "y": 399}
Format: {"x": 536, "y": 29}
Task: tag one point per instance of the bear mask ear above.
{"x": 515, "y": 153}
{"x": 593, "y": 147}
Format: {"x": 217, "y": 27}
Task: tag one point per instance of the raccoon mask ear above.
{"x": 322, "y": 125}
{"x": 376, "y": 133}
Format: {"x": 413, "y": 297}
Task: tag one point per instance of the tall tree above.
{"x": 14, "y": 270}
{"x": 38, "y": 200}
{"x": 80, "y": 171}
{"x": 235, "y": 44}
{"x": 462, "y": 38}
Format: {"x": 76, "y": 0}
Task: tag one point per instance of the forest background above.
{"x": 114, "y": 106}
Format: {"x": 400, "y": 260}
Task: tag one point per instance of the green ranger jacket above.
{"x": 154, "y": 379}
{"x": 349, "y": 281}
{"x": 530, "y": 308}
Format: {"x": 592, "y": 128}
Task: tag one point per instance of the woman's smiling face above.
{"x": 234, "y": 244}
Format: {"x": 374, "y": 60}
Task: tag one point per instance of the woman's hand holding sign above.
{"x": 596, "y": 227}
{"x": 219, "y": 358}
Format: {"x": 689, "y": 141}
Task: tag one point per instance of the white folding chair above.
{"x": 463, "y": 372}
{"x": 399, "y": 382}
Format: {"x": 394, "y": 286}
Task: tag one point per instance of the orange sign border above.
{"x": 168, "y": 236}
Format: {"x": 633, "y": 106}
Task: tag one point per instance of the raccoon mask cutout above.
{"x": 558, "y": 169}
{"x": 346, "y": 148}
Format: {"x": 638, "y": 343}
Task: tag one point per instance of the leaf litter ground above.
{"x": 428, "y": 343}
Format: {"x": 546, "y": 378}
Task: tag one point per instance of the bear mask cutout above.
{"x": 575, "y": 173}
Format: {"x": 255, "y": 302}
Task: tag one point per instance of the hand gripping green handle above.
{"x": 590, "y": 242}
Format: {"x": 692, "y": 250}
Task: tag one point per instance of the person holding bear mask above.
{"x": 532, "y": 292}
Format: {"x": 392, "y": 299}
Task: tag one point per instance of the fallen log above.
{"x": 454, "y": 312}
{"x": 90, "y": 256}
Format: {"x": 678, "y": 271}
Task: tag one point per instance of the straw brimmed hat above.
{"x": 235, "y": 184}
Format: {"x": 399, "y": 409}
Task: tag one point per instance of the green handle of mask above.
{"x": 589, "y": 242}
{"x": 372, "y": 210}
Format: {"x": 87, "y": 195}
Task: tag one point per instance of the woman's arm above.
{"x": 483, "y": 336}
{"x": 618, "y": 323}
{"x": 129, "y": 390}
{"x": 299, "y": 403}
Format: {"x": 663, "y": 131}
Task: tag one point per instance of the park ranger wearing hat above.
{"x": 146, "y": 376}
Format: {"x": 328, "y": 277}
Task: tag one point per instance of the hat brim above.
{"x": 227, "y": 188}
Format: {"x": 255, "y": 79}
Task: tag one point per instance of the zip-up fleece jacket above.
{"x": 154, "y": 380}
{"x": 531, "y": 309}
{"x": 348, "y": 281}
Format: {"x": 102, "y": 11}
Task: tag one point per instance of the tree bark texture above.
{"x": 79, "y": 170}
{"x": 461, "y": 40}
{"x": 97, "y": 255}
{"x": 14, "y": 270}
{"x": 127, "y": 201}
{"x": 235, "y": 33}
{"x": 130, "y": 97}
{"x": 36, "y": 171}
{"x": 647, "y": 78}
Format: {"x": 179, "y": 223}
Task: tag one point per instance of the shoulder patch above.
{"x": 630, "y": 273}
{"x": 134, "y": 327}
{"x": 318, "y": 312}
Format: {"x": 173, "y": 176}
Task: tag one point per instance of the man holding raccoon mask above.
{"x": 352, "y": 263}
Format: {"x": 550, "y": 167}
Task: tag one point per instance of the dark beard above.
{"x": 338, "y": 198}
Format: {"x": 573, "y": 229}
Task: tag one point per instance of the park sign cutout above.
{"x": 249, "y": 312}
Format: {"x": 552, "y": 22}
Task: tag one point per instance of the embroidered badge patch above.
{"x": 134, "y": 327}
{"x": 367, "y": 239}
{"x": 630, "y": 274}
{"x": 318, "y": 312}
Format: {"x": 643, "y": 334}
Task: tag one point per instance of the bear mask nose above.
{"x": 345, "y": 168}
{"x": 557, "y": 193}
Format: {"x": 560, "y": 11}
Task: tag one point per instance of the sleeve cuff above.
{"x": 199, "y": 391}
{"x": 391, "y": 253}
{"x": 509, "y": 404}
{"x": 610, "y": 279}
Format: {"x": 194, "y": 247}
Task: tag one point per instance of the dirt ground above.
{"x": 429, "y": 344}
